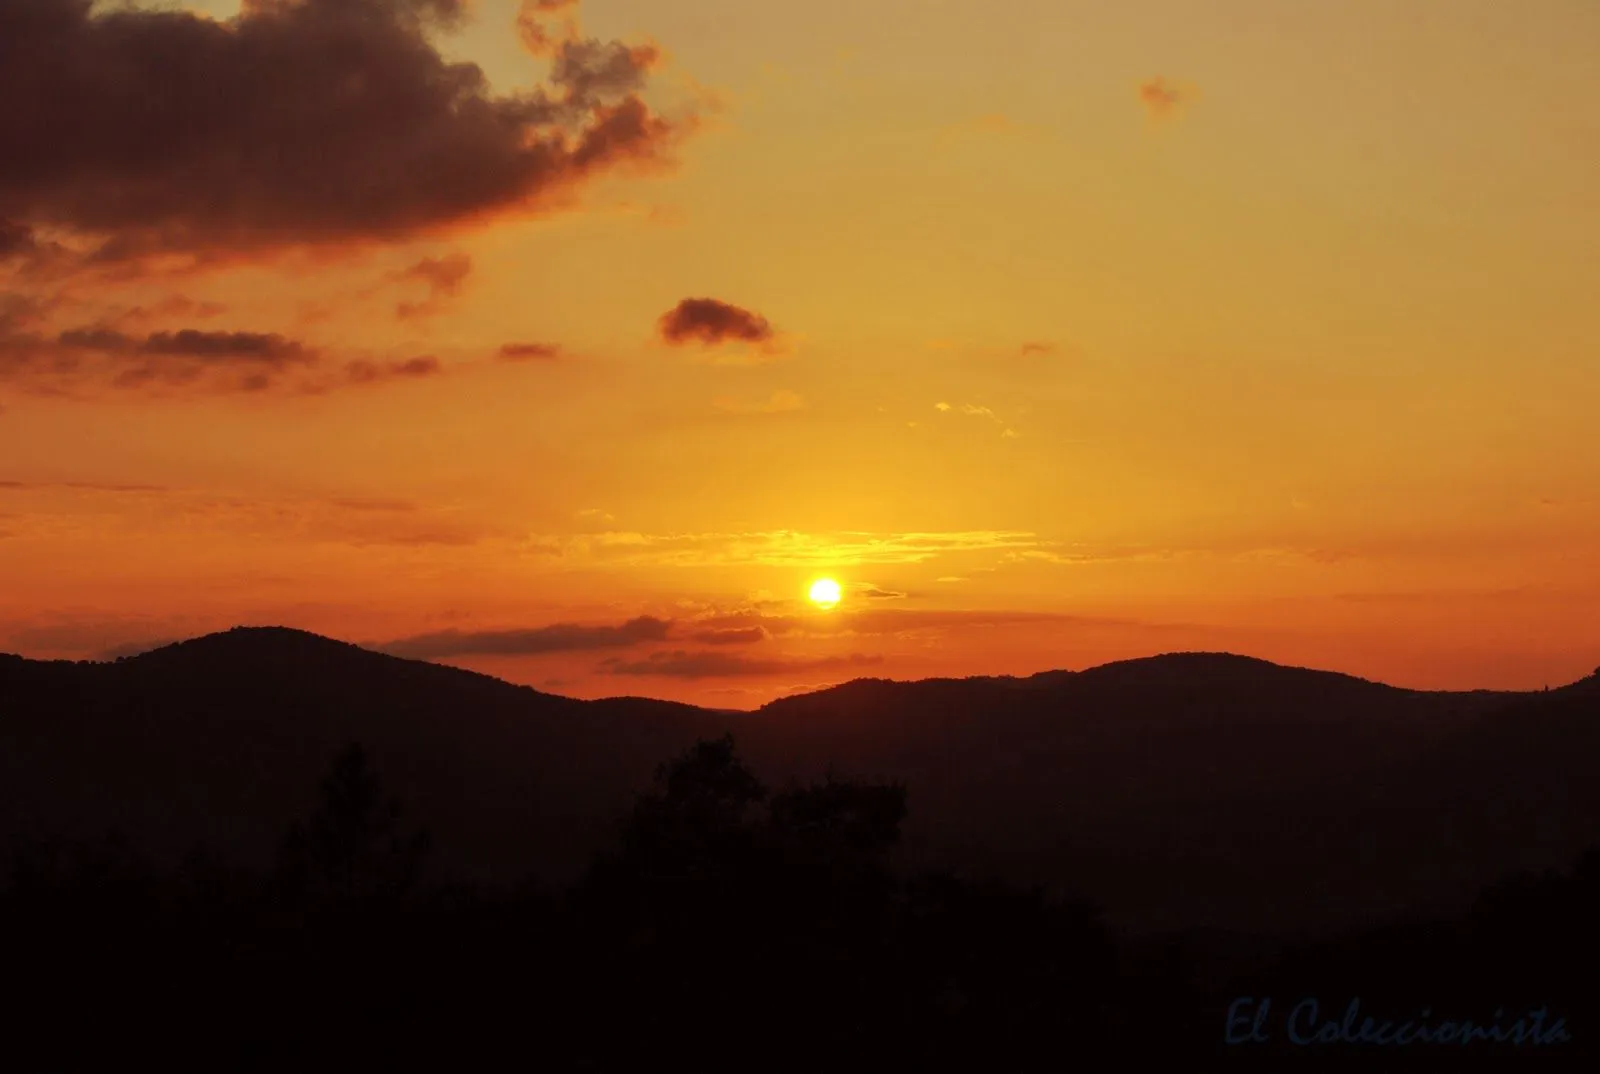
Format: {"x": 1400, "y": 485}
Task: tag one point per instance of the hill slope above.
{"x": 1192, "y": 788}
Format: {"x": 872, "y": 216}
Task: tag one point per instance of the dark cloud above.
{"x": 266, "y": 348}
{"x": 245, "y": 361}
{"x": 559, "y": 638}
{"x": 680, "y": 664}
{"x": 708, "y": 321}
{"x": 872, "y": 592}
{"x": 298, "y": 122}
{"x": 1037, "y": 347}
{"x": 270, "y": 348}
{"x": 97, "y": 339}
{"x": 15, "y": 240}
{"x": 215, "y": 361}
{"x": 525, "y": 352}
{"x": 366, "y": 372}
{"x": 739, "y": 636}
{"x": 443, "y": 276}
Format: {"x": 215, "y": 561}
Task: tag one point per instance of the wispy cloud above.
{"x": 60, "y": 510}
{"x": 444, "y": 278}
{"x": 733, "y": 636}
{"x": 973, "y": 410}
{"x": 785, "y": 548}
{"x": 878, "y": 621}
{"x": 681, "y": 664}
{"x": 872, "y": 592}
{"x": 530, "y": 352}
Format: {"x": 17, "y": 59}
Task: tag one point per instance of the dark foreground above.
{"x": 734, "y": 928}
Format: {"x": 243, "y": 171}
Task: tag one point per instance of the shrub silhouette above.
{"x": 731, "y": 926}
{"x": 351, "y": 847}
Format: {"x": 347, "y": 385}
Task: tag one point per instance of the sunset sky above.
{"x": 573, "y": 348}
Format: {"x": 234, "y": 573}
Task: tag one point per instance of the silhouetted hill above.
{"x": 1185, "y": 789}
{"x": 222, "y": 737}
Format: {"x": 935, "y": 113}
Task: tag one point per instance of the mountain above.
{"x": 1189, "y": 789}
{"x": 223, "y": 739}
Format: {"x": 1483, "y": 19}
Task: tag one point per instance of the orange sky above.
{"x": 1056, "y": 332}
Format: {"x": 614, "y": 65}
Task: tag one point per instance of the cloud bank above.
{"x": 298, "y": 122}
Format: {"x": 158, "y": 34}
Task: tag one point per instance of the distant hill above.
{"x": 1186, "y": 789}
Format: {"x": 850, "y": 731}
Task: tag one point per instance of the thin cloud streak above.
{"x": 681, "y": 664}
{"x": 779, "y": 548}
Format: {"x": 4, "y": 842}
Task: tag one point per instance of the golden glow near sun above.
{"x": 825, "y": 592}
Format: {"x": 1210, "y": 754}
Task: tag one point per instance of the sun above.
{"x": 825, "y": 592}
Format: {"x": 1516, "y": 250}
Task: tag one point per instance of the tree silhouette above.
{"x": 841, "y": 820}
{"x": 351, "y": 846}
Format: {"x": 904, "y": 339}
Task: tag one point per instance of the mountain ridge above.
{"x": 1180, "y": 789}
{"x": 1199, "y": 661}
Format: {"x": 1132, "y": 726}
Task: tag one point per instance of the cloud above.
{"x": 680, "y": 664}
{"x": 361, "y": 503}
{"x": 710, "y": 322}
{"x": 99, "y": 356}
{"x": 735, "y": 636}
{"x": 533, "y": 25}
{"x": 775, "y": 548}
{"x": 74, "y": 511}
{"x": 82, "y": 486}
{"x": 15, "y": 240}
{"x": 228, "y": 360}
{"x": 529, "y": 352}
{"x": 270, "y": 348}
{"x": 175, "y": 306}
{"x": 972, "y": 410}
{"x": 16, "y": 312}
{"x": 558, "y": 638}
{"x": 298, "y": 122}
{"x": 872, "y": 592}
{"x": 368, "y": 372}
{"x": 881, "y": 621}
{"x": 779, "y": 402}
{"x": 1034, "y": 347}
{"x": 1162, "y": 98}
{"x": 443, "y": 277}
